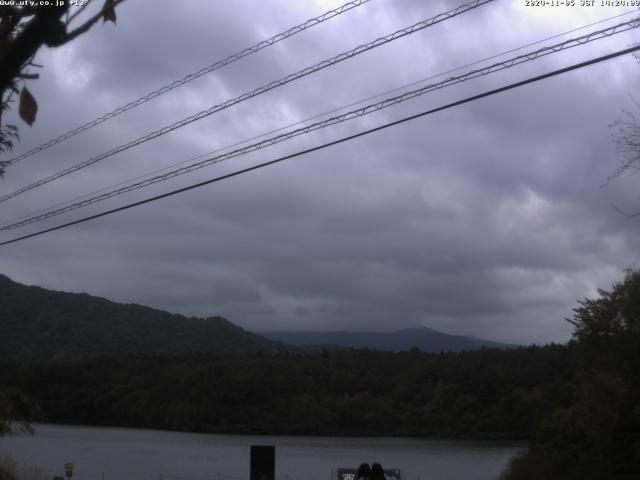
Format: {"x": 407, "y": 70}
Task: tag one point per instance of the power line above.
{"x": 192, "y": 76}
{"x": 265, "y": 88}
{"x": 334, "y": 142}
{"x": 301, "y": 122}
{"x": 366, "y": 110}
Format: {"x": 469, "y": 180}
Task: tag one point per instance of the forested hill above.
{"x": 426, "y": 339}
{"x": 38, "y": 324}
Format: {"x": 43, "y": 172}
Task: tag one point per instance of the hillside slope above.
{"x": 37, "y": 324}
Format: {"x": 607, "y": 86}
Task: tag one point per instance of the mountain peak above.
{"x": 417, "y": 329}
{"x": 424, "y": 338}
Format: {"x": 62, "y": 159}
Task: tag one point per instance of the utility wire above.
{"x": 366, "y": 110}
{"x": 308, "y": 119}
{"x": 505, "y": 88}
{"x": 265, "y": 88}
{"x": 192, "y": 76}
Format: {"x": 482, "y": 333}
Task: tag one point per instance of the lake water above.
{"x": 130, "y": 454}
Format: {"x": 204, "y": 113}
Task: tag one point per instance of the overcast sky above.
{"x": 489, "y": 219}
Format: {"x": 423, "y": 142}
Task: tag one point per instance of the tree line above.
{"x": 484, "y": 393}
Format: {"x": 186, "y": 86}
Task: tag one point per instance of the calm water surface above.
{"x": 130, "y": 454}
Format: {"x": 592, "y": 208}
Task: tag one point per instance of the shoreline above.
{"x": 487, "y": 439}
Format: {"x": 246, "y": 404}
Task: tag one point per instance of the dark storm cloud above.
{"x": 489, "y": 219}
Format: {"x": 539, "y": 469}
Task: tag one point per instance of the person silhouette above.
{"x": 377, "y": 472}
{"x": 364, "y": 472}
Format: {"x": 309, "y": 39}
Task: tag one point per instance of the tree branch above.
{"x": 89, "y": 23}
{"x": 83, "y": 28}
{"x": 28, "y": 76}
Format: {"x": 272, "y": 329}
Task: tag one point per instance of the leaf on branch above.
{"x": 28, "y": 106}
{"x": 109, "y": 11}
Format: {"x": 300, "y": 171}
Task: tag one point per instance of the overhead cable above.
{"x": 308, "y": 119}
{"x": 366, "y": 110}
{"x": 192, "y": 76}
{"x": 334, "y": 142}
{"x": 265, "y": 88}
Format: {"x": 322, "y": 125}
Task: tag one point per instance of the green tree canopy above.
{"x": 598, "y": 435}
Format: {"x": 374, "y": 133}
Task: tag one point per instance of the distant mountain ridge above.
{"x": 426, "y": 339}
{"x": 37, "y": 324}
